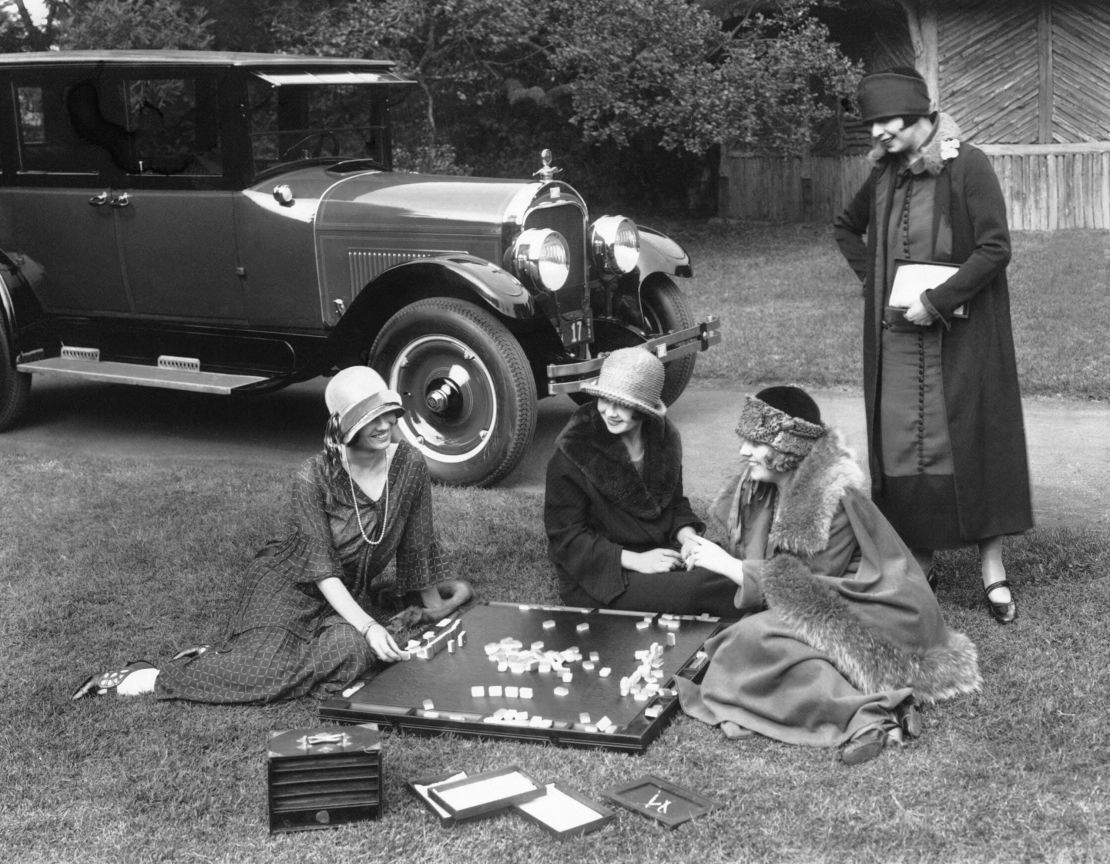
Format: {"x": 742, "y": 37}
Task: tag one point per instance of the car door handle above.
{"x": 99, "y": 199}
{"x": 120, "y": 200}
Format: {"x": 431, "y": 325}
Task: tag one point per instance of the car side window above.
{"x": 139, "y": 126}
{"x": 49, "y": 142}
{"x": 174, "y": 123}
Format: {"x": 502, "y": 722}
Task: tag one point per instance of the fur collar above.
{"x": 804, "y": 510}
{"x": 804, "y": 514}
{"x": 602, "y": 457}
{"x": 942, "y": 145}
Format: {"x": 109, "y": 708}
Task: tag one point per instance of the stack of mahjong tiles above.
{"x": 510, "y": 655}
{"x": 446, "y": 636}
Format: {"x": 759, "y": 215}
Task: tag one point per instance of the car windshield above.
{"x": 333, "y": 122}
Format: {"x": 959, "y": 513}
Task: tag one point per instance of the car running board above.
{"x": 172, "y": 373}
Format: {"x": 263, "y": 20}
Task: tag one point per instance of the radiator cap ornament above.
{"x": 548, "y": 171}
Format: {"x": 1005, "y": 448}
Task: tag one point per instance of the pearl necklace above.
{"x": 354, "y": 500}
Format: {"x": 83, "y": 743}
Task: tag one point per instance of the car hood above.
{"x": 399, "y": 202}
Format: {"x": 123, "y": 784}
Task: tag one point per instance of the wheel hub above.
{"x": 449, "y": 397}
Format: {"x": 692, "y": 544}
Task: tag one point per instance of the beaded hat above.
{"x": 357, "y": 395}
{"x": 632, "y": 377}
{"x": 893, "y": 93}
{"x": 785, "y": 418}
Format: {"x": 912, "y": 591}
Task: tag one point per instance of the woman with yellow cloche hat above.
{"x": 310, "y": 617}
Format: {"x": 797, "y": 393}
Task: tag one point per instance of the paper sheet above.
{"x": 559, "y": 810}
{"x": 912, "y": 278}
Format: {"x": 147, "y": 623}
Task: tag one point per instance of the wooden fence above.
{"x": 1048, "y": 187}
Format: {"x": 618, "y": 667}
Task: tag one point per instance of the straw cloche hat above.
{"x": 632, "y": 377}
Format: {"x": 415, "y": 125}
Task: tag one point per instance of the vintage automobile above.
{"x": 230, "y": 223}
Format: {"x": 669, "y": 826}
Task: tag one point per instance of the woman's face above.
{"x": 619, "y": 419}
{"x": 376, "y": 435}
{"x": 761, "y": 457}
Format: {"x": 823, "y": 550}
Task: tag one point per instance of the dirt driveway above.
{"x": 1069, "y": 442}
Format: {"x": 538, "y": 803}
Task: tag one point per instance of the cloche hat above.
{"x": 783, "y": 417}
{"x": 632, "y": 377}
{"x": 357, "y": 395}
{"x": 893, "y": 93}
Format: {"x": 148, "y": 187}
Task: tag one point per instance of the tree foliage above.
{"x": 668, "y": 66}
{"x": 135, "y": 24}
{"x": 618, "y": 69}
{"x": 588, "y": 77}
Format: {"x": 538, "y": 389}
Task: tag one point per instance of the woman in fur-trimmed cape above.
{"x": 845, "y": 636}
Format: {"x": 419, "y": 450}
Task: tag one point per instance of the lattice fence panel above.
{"x": 1081, "y": 71}
{"x": 989, "y": 69}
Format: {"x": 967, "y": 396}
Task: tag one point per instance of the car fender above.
{"x": 660, "y": 254}
{"x": 19, "y": 277}
{"x": 453, "y": 275}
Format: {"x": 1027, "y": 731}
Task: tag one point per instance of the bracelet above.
{"x": 364, "y": 630}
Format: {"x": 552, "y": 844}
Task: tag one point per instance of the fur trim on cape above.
{"x": 818, "y": 614}
{"x": 936, "y": 150}
{"x": 602, "y": 457}
{"x": 823, "y": 620}
{"x": 805, "y": 510}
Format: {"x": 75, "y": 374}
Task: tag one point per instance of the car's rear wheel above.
{"x": 467, "y": 388}
{"x": 15, "y": 386}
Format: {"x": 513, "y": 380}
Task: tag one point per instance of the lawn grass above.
{"x": 791, "y": 308}
{"x": 108, "y": 559}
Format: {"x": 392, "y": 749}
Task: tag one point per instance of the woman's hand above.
{"x": 652, "y": 561}
{"x": 705, "y": 553}
{"x": 382, "y": 644}
{"x": 918, "y": 314}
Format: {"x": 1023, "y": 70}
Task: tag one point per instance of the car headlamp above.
{"x": 615, "y": 243}
{"x": 542, "y": 256}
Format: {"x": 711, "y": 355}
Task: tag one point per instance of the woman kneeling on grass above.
{"x": 845, "y": 638}
{"x": 614, "y": 509}
{"x": 303, "y": 624}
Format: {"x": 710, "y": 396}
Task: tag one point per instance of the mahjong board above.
{"x": 484, "y": 675}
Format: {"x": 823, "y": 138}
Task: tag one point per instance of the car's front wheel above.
{"x": 467, "y": 388}
{"x": 15, "y": 386}
{"x": 664, "y": 309}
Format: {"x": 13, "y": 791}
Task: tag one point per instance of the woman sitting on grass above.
{"x": 304, "y": 623}
{"x": 614, "y": 510}
{"x": 844, "y": 637}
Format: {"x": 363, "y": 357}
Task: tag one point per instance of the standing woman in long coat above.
{"x": 945, "y": 434}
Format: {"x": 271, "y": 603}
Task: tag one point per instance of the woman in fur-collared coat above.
{"x": 843, "y": 638}
{"x": 944, "y": 419}
{"x": 614, "y": 508}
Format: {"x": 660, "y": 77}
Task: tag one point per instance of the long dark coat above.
{"x": 597, "y": 504}
{"x": 982, "y": 399}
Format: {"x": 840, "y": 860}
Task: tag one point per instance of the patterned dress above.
{"x": 285, "y": 640}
